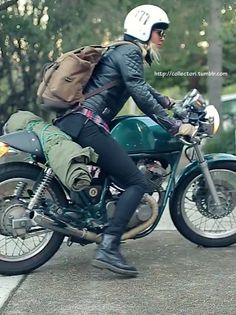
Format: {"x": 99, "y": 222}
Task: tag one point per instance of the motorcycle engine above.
{"x": 141, "y": 214}
{"x": 154, "y": 172}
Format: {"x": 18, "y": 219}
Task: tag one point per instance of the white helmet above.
{"x": 139, "y": 21}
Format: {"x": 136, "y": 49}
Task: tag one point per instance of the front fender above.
{"x": 211, "y": 159}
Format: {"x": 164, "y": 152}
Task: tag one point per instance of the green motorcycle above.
{"x": 37, "y": 211}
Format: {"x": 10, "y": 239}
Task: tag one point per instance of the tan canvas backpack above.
{"x": 64, "y": 80}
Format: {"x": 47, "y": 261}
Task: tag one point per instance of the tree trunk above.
{"x": 214, "y": 82}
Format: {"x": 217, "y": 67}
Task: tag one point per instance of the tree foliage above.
{"x": 33, "y": 32}
{"x": 6, "y": 4}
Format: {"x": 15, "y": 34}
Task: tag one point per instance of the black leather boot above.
{"x": 109, "y": 257}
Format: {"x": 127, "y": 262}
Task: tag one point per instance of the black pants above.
{"x": 114, "y": 161}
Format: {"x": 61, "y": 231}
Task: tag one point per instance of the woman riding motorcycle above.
{"x": 144, "y": 31}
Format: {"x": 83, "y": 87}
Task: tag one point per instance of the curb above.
{"x": 8, "y": 286}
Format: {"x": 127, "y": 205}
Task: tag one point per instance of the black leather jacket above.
{"x": 125, "y": 64}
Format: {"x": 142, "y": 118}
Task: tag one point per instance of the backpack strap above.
{"x": 86, "y": 96}
{"x": 101, "y": 89}
{"x": 112, "y": 83}
{"x": 120, "y": 43}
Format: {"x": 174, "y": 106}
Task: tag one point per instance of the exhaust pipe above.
{"x": 67, "y": 229}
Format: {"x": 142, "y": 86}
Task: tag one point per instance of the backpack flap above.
{"x": 46, "y": 75}
{"x": 63, "y": 83}
{"x": 64, "y": 80}
{"x": 75, "y": 69}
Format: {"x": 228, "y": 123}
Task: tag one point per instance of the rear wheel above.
{"x": 20, "y": 255}
{"x": 194, "y": 213}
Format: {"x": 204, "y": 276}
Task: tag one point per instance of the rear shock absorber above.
{"x": 40, "y": 190}
{"x": 20, "y": 189}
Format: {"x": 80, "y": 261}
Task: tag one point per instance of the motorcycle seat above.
{"x": 26, "y": 141}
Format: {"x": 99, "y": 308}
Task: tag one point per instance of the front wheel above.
{"x": 193, "y": 210}
{"x": 20, "y": 255}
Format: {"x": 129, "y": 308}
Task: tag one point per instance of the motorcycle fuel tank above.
{"x": 139, "y": 134}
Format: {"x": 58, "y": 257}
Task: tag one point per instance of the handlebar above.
{"x": 183, "y": 140}
{"x": 192, "y": 109}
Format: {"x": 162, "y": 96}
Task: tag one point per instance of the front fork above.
{"x": 206, "y": 173}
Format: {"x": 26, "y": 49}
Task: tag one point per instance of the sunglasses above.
{"x": 161, "y": 33}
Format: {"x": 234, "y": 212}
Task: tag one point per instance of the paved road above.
{"x": 176, "y": 277}
{"x": 7, "y": 287}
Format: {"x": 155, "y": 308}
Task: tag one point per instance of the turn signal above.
{"x": 4, "y": 148}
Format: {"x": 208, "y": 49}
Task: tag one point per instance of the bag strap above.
{"x": 112, "y": 83}
{"x": 113, "y": 44}
{"x": 86, "y": 96}
{"x": 120, "y": 43}
{"x": 101, "y": 89}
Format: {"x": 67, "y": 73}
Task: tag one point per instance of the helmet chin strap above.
{"x": 148, "y": 58}
{"x": 153, "y": 52}
{"x": 143, "y": 47}
{"x": 149, "y": 50}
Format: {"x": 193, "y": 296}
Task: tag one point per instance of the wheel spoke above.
{"x": 7, "y": 241}
{"x": 233, "y": 217}
{"x": 17, "y": 249}
{"x": 13, "y": 252}
{"x": 199, "y": 210}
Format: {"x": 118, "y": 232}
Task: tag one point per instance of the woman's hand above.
{"x": 186, "y": 129}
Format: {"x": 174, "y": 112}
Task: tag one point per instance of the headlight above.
{"x": 213, "y": 116}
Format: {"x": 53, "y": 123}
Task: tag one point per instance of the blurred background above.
{"x": 199, "y": 50}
